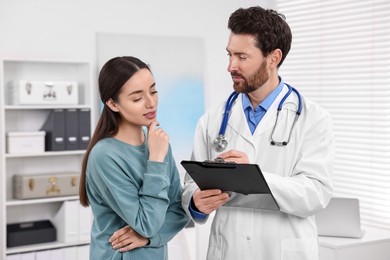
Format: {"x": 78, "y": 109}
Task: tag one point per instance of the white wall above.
{"x": 65, "y": 30}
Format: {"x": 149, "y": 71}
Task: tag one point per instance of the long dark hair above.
{"x": 268, "y": 26}
{"x": 112, "y": 77}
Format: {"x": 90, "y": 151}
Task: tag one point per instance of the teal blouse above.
{"x": 124, "y": 188}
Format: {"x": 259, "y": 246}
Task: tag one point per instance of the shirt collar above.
{"x": 267, "y": 102}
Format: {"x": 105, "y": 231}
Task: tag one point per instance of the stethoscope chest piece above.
{"x": 220, "y": 143}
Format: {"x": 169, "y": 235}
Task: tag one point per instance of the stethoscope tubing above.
{"x": 229, "y": 104}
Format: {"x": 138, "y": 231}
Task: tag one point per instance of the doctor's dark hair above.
{"x": 269, "y": 27}
{"x": 113, "y": 75}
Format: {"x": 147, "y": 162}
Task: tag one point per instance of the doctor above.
{"x": 294, "y": 149}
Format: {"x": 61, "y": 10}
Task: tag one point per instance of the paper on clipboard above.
{"x": 245, "y": 179}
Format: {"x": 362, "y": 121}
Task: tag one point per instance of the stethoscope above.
{"x": 220, "y": 141}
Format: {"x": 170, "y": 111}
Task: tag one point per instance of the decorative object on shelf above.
{"x": 45, "y": 185}
{"x": 25, "y": 142}
{"x": 27, "y": 233}
{"x": 30, "y": 92}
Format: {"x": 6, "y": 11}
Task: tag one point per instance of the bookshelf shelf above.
{"x": 15, "y": 202}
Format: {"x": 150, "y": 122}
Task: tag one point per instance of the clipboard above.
{"x": 246, "y": 179}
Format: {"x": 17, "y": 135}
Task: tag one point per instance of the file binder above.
{"x": 66, "y": 222}
{"x": 84, "y": 125}
{"x": 71, "y": 130}
{"x": 73, "y": 222}
{"x": 85, "y": 218}
{"x": 245, "y": 179}
{"x": 54, "y": 127}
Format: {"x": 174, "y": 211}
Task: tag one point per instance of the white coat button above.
{"x": 248, "y": 238}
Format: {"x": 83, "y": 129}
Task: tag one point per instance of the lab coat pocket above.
{"x": 215, "y": 247}
{"x": 299, "y": 249}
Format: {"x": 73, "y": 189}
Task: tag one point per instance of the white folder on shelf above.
{"x": 85, "y": 223}
{"x": 66, "y": 222}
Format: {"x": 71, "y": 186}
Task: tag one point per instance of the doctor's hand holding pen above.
{"x": 234, "y": 156}
{"x": 206, "y": 201}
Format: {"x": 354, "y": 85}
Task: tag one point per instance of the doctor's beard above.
{"x": 253, "y": 82}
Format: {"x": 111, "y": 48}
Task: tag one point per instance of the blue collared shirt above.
{"x": 253, "y": 118}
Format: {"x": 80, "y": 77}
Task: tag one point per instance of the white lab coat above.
{"x": 299, "y": 176}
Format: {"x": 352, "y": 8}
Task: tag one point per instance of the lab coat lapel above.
{"x": 268, "y": 120}
{"x": 237, "y": 121}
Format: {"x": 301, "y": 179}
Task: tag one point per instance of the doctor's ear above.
{"x": 112, "y": 105}
{"x": 275, "y": 58}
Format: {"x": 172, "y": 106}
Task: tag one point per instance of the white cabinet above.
{"x": 30, "y": 118}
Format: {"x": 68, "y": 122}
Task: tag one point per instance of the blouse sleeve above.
{"x": 176, "y": 219}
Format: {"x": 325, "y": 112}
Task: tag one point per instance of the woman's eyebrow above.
{"x": 140, "y": 91}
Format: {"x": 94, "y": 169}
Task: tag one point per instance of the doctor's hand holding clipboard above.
{"x": 207, "y": 201}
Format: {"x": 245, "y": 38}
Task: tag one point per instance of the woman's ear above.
{"x": 112, "y": 105}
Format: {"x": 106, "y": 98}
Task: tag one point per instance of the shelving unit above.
{"x": 31, "y": 118}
